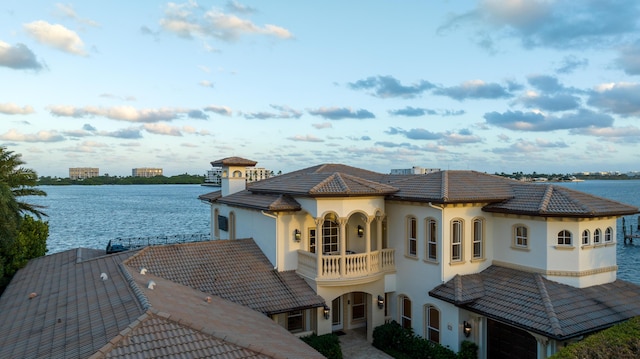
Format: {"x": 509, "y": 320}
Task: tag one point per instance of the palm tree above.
{"x": 17, "y": 182}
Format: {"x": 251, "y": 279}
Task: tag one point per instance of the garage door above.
{"x": 508, "y": 342}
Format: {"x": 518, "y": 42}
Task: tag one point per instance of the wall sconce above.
{"x": 380, "y": 301}
{"x": 360, "y": 231}
{"x": 466, "y": 328}
{"x": 297, "y": 235}
{"x": 326, "y": 312}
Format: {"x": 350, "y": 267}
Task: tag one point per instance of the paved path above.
{"x": 355, "y": 346}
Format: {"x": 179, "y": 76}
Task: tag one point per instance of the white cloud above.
{"x": 40, "y": 136}
{"x": 162, "y": 129}
{"x": 13, "y": 109}
{"x": 56, "y": 36}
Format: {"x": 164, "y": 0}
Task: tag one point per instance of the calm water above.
{"x": 89, "y": 216}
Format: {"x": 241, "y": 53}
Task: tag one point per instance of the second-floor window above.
{"x": 608, "y": 235}
{"x": 330, "y": 237}
{"x": 432, "y": 240}
{"x": 412, "y": 237}
{"x": 596, "y": 236}
{"x": 478, "y": 238}
{"x": 585, "y": 237}
{"x": 564, "y": 238}
{"x": 312, "y": 240}
{"x": 456, "y": 240}
{"x": 521, "y": 236}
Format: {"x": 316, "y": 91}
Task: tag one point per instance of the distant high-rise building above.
{"x": 78, "y": 173}
{"x": 146, "y": 172}
{"x": 415, "y": 170}
{"x": 252, "y": 174}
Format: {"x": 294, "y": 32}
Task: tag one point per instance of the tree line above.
{"x": 23, "y": 233}
{"x": 112, "y": 180}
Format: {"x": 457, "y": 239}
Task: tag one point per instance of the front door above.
{"x": 336, "y": 314}
{"x": 359, "y": 307}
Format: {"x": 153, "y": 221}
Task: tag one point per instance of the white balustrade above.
{"x": 355, "y": 264}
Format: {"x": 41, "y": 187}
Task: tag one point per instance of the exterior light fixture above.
{"x": 466, "y": 328}
{"x": 380, "y": 301}
{"x": 326, "y": 311}
{"x": 297, "y": 235}
{"x": 360, "y": 231}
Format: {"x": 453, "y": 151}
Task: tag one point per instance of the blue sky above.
{"x": 493, "y": 86}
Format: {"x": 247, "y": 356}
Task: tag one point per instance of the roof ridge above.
{"x": 328, "y": 179}
{"x": 548, "y": 305}
{"x": 577, "y": 202}
{"x": 444, "y": 190}
{"x": 457, "y": 287}
{"x": 546, "y": 198}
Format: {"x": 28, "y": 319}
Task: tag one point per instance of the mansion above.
{"x": 521, "y": 269}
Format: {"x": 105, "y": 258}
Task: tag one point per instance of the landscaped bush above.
{"x": 327, "y": 345}
{"x": 402, "y": 343}
{"x": 621, "y": 341}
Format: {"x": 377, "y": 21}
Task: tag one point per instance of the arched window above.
{"x": 597, "y": 236}
{"x": 432, "y": 239}
{"x": 586, "y": 237}
{"x": 412, "y": 236}
{"x": 520, "y": 236}
{"x": 432, "y": 323}
{"x": 608, "y": 235}
{"x": 564, "y": 238}
{"x": 216, "y": 224}
{"x": 405, "y": 311}
{"x": 330, "y": 236}
{"x": 456, "y": 240}
{"x": 478, "y": 238}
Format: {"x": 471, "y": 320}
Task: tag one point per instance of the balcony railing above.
{"x": 356, "y": 265}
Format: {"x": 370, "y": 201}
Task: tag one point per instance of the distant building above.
{"x": 415, "y": 170}
{"x": 146, "y": 172}
{"x": 251, "y": 174}
{"x": 79, "y": 173}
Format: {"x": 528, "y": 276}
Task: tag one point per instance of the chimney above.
{"x": 234, "y": 174}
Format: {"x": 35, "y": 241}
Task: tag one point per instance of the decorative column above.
{"x": 367, "y": 238}
{"x": 342, "y": 221}
{"x": 319, "y": 246}
{"x": 379, "y": 219}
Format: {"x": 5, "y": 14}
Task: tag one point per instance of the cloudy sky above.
{"x": 493, "y": 85}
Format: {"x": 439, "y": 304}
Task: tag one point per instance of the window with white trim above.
{"x": 608, "y": 235}
{"x": 564, "y": 238}
{"x": 412, "y": 236}
{"x": 597, "y": 236}
{"x": 585, "y": 237}
{"x": 432, "y": 323}
{"x": 312, "y": 240}
{"x": 521, "y": 236}
{"x": 432, "y": 239}
{"x": 330, "y": 237}
{"x": 295, "y": 321}
{"x": 405, "y": 311}
{"x": 456, "y": 240}
{"x": 478, "y": 238}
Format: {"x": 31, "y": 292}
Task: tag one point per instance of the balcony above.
{"x": 352, "y": 267}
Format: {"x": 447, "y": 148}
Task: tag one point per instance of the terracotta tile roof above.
{"x": 236, "y": 270}
{"x": 531, "y": 302}
{"x": 74, "y": 313}
{"x": 267, "y": 202}
{"x": 549, "y": 200}
{"x": 233, "y": 161}
{"x": 500, "y": 193}
{"x": 181, "y": 322}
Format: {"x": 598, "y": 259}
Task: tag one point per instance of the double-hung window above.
{"x": 412, "y": 237}
{"x": 597, "y": 236}
{"x": 456, "y": 240}
{"x": 585, "y": 237}
{"x": 478, "y": 238}
{"x": 521, "y": 237}
{"x": 432, "y": 240}
{"x": 608, "y": 235}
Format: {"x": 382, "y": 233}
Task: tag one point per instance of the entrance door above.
{"x": 359, "y": 307}
{"x": 336, "y": 314}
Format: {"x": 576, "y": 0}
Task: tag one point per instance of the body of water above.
{"x": 90, "y": 216}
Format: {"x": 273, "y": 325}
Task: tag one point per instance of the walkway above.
{"x": 355, "y": 346}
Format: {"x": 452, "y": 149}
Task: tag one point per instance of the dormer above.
{"x": 233, "y": 177}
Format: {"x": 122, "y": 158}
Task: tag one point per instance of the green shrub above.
{"x": 401, "y": 343}
{"x": 468, "y": 350}
{"x": 621, "y": 341}
{"x": 327, "y": 345}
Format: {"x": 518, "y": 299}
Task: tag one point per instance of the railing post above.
{"x": 343, "y": 245}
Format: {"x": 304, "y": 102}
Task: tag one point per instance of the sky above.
{"x": 493, "y": 86}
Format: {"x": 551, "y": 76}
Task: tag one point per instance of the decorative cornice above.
{"x": 556, "y": 273}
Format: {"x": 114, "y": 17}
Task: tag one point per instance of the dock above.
{"x": 628, "y": 234}
{"x": 124, "y": 244}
